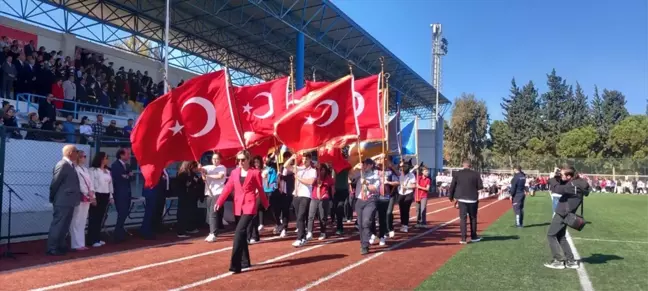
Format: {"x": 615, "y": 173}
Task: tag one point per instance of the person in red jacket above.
{"x": 247, "y": 185}
{"x": 422, "y": 189}
{"x": 57, "y": 92}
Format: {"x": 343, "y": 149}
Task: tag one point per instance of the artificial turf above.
{"x": 509, "y": 258}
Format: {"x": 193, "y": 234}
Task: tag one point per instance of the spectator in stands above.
{"x": 86, "y": 131}
{"x": 8, "y": 76}
{"x": 98, "y": 128}
{"x": 121, "y": 176}
{"x": 113, "y": 131}
{"x": 9, "y": 119}
{"x": 47, "y": 112}
{"x": 58, "y": 135}
{"x": 82, "y": 94}
{"x": 34, "y": 123}
{"x": 29, "y": 49}
{"x": 70, "y": 129}
{"x": 80, "y": 215}
{"x": 57, "y": 92}
{"x": 102, "y": 97}
{"x": 103, "y": 185}
{"x": 69, "y": 92}
{"x": 19, "y": 84}
{"x": 128, "y": 129}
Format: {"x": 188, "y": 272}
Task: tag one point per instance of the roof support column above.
{"x": 299, "y": 61}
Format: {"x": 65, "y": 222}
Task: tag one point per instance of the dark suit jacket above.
{"x": 572, "y": 195}
{"x": 465, "y": 185}
{"x": 121, "y": 180}
{"x": 65, "y": 189}
{"x": 245, "y": 195}
{"x": 517, "y": 184}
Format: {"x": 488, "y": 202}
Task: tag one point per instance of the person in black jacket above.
{"x": 573, "y": 189}
{"x": 190, "y": 188}
{"x": 465, "y": 186}
{"x": 517, "y": 195}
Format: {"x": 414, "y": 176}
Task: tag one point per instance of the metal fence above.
{"x": 27, "y": 157}
{"x": 592, "y": 166}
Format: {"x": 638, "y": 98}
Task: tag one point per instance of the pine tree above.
{"x": 614, "y": 108}
{"x": 580, "y": 109}
{"x": 553, "y": 110}
{"x": 466, "y": 138}
{"x": 521, "y": 116}
{"x": 597, "y": 113}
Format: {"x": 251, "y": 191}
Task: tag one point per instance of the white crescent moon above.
{"x": 209, "y": 109}
{"x": 270, "y": 110}
{"x": 335, "y": 110}
{"x": 360, "y": 103}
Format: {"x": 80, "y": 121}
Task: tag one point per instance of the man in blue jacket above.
{"x": 517, "y": 190}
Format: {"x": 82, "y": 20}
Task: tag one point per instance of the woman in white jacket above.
{"x": 80, "y": 216}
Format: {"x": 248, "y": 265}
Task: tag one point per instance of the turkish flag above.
{"x": 259, "y": 106}
{"x": 321, "y": 116}
{"x": 310, "y": 86}
{"x": 369, "y": 107}
{"x": 332, "y": 155}
{"x": 185, "y": 123}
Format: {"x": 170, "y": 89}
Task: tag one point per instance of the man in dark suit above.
{"x": 155, "y": 202}
{"x": 465, "y": 187}
{"x": 572, "y": 189}
{"x": 517, "y": 195}
{"x": 121, "y": 177}
{"x": 65, "y": 194}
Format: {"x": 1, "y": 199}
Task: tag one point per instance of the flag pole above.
{"x": 416, "y": 156}
{"x": 385, "y": 143}
{"x": 167, "y": 20}
{"x": 362, "y": 187}
{"x": 232, "y": 94}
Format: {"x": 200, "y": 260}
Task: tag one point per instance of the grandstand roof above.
{"x": 259, "y": 37}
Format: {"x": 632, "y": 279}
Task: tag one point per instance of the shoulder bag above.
{"x": 574, "y": 220}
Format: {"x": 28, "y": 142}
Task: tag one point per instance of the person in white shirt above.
{"x": 80, "y": 216}
{"x": 305, "y": 176}
{"x": 103, "y": 186}
{"x": 406, "y": 193}
{"x": 214, "y": 176}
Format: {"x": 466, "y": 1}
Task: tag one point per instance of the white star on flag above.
{"x": 247, "y": 108}
{"x": 176, "y": 128}
{"x": 310, "y": 120}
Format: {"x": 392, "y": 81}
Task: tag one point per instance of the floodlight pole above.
{"x": 439, "y": 49}
{"x": 167, "y": 20}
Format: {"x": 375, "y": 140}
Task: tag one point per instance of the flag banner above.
{"x": 184, "y": 124}
{"x": 408, "y": 139}
{"x": 392, "y": 133}
{"x": 321, "y": 116}
{"x": 259, "y": 106}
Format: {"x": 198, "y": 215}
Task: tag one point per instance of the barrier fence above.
{"x": 618, "y": 167}
{"x": 27, "y": 158}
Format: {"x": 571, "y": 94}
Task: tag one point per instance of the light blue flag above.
{"x": 408, "y": 137}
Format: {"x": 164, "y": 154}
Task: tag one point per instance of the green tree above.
{"x": 629, "y": 138}
{"x": 500, "y": 141}
{"x": 521, "y": 115}
{"x": 138, "y": 46}
{"x": 614, "y": 109}
{"x": 466, "y": 137}
{"x": 554, "y": 105}
{"x": 580, "y": 111}
{"x": 578, "y": 143}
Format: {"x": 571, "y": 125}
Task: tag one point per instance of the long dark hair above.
{"x": 96, "y": 161}
{"x": 187, "y": 167}
{"x": 257, "y": 158}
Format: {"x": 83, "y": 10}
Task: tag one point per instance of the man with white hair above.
{"x": 65, "y": 194}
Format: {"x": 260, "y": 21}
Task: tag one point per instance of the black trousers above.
{"x": 253, "y": 228}
{"x": 381, "y": 210}
{"x": 215, "y": 218}
{"x": 187, "y": 209}
{"x": 349, "y": 207}
{"x": 390, "y": 213}
{"x": 301, "y": 205}
{"x": 339, "y": 205}
{"x": 96, "y": 217}
{"x": 404, "y": 204}
{"x": 518, "y": 208}
{"x": 240, "y": 251}
{"x": 366, "y": 211}
{"x": 280, "y": 203}
{"x": 469, "y": 209}
{"x": 558, "y": 241}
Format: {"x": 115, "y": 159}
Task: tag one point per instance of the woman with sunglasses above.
{"x": 247, "y": 185}
{"x": 80, "y": 216}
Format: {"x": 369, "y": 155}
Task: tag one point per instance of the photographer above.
{"x": 572, "y": 189}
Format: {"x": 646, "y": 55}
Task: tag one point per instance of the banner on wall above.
{"x": 15, "y": 34}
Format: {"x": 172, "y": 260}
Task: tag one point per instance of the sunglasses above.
{"x": 240, "y": 160}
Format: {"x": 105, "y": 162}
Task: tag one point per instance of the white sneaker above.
{"x": 281, "y": 220}
{"x": 296, "y": 230}
{"x": 404, "y": 228}
{"x": 252, "y": 241}
{"x": 260, "y": 228}
{"x": 102, "y": 242}
{"x": 322, "y": 236}
{"x": 96, "y": 245}
{"x": 372, "y": 240}
{"x": 211, "y": 238}
{"x": 382, "y": 241}
{"x": 392, "y": 234}
{"x": 225, "y": 223}
{"x": 309, "y": 236}
{"x": 348, "y": 220}
{"x": 282, "y": 234}
{"x": 298, "y": 243}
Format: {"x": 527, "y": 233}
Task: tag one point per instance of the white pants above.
{"x": 77, "y": 227}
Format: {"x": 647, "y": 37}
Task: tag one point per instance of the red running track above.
{"x": 332, "y": 264}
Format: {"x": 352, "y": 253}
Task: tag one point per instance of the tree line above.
{"x": 543, "y": 130}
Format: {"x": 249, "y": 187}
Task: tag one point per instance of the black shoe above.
{"x": 235, "y": 271}
{"x": 364, "y": 251}
{"x": 54, "y": 253}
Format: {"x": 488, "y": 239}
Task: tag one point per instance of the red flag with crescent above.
{"x": 368, "y": 104}
{"x": 321, "y": 116}
{"x": 184, "y": 124}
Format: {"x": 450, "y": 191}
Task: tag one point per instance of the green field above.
{"x": 613, "y": 250}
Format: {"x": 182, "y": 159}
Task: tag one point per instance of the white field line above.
{"x": 586, "y": 283}
{"x": 611, "y": 240}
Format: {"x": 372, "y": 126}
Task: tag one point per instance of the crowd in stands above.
{"x": 86, "y": 78}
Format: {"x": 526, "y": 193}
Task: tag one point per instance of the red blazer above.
{"x": 245, "y": 195}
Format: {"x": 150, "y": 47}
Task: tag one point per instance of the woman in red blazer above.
{"x": 247, "y": 185}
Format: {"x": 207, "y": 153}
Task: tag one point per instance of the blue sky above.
{"x": 600, "y": 42}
